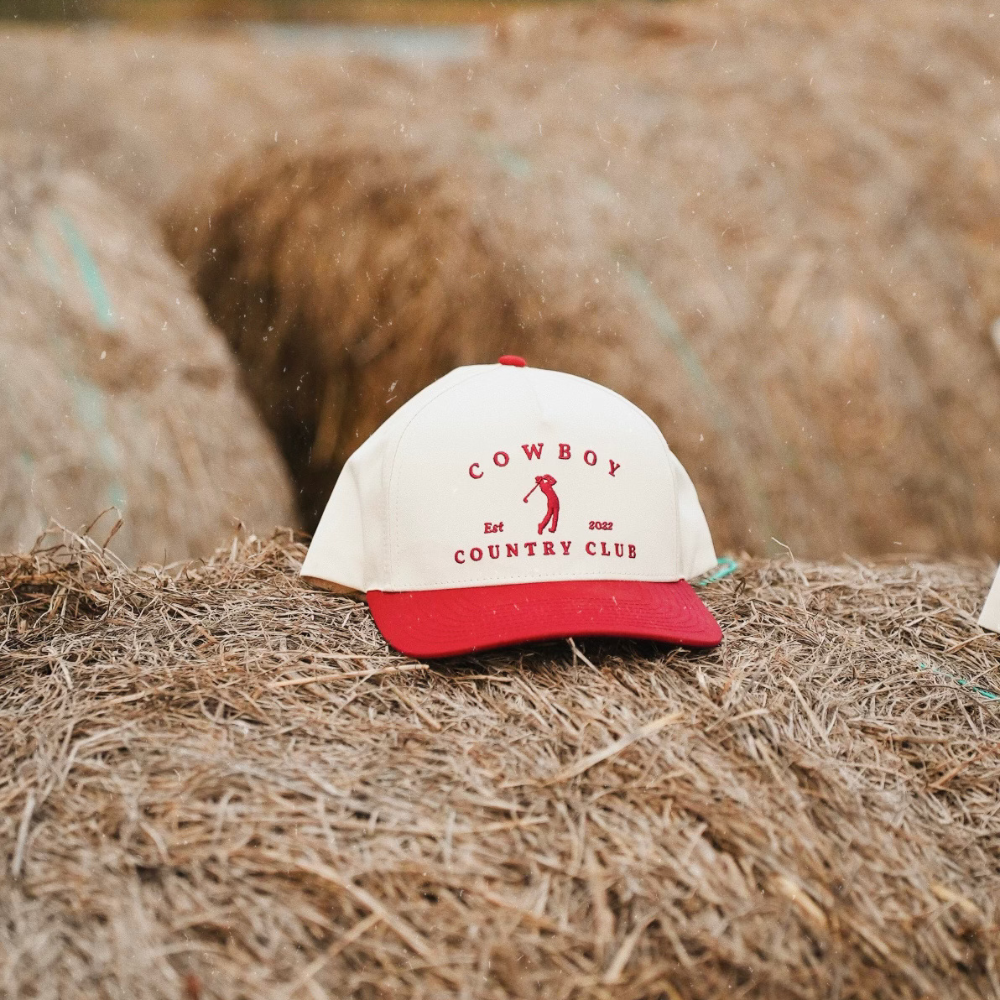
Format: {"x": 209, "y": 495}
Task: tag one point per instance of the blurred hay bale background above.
{"x": 116, "y": 391}
{"x": 149, "y": 114}
{"x": 221, "y": 783}
{"x": 775, "y": 229}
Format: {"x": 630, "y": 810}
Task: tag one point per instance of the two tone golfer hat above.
{"x": 504, "y": 504}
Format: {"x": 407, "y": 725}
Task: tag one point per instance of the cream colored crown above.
{"x": 446, "y": 493}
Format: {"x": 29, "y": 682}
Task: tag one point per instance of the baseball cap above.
{"x": 505, "y": 504}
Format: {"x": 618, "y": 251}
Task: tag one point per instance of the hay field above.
{"x": 116, "y": 394}
{"x": 775, "y": 229}
{"x": 221, "y": 783}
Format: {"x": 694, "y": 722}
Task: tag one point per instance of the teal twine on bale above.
{"x": 88, "y": 399}
{"x": 90, "y": 273}
{"x": 726, "y": 567}
{"x": 514, "y": 164}
{"x": 962, "y": 682}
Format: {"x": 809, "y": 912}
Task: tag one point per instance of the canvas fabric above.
{"x": 990, "y": 618}
{"x": 498, "y": 475}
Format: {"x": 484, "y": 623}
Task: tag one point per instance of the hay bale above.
{"x": 803, "y": 307}
{"x": 149, "y": 113}
{"x": 220, "y": 780}
{"x": 115, "y": 392}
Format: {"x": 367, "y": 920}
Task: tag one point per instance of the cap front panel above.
{"x": 524, "y": 475}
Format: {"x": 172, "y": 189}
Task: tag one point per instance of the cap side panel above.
{"x": 337, "y": 550}
{"x": 697, "y": 550}
{"x": 694, "y": 539}
{"x": 348, "y": 546}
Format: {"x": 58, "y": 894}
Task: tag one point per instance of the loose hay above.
{"x": 115, "y": 392}
{"x": 220, "y": 783}
{"x": 772, "y": 225}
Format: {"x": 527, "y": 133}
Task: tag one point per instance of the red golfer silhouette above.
{"x": 545, "y": 484}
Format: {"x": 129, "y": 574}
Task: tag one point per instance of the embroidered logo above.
{"x": 545, "y": 484}
{"x": 522, "y": 549}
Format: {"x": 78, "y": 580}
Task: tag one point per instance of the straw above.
{"x": 802, "y": 813}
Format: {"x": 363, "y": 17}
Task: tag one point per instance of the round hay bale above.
{"x": 776, "y": 232}
{"x": 115, "y": 391}
{"x": 239, "y": 787}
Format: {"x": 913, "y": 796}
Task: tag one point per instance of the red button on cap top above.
{"x": 513, "y": 359}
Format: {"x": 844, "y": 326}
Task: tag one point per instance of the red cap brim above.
{"x": 430, "y": 623}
